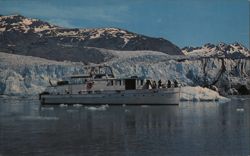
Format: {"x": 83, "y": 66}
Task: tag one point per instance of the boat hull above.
{"x": 129, "y": 97}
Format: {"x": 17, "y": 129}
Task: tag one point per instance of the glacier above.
{"x": 222, "y": 74}
{"x": 27, "y": 75}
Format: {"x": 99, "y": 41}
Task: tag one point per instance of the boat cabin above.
{"x": 84, "y": 84}
{"x": 97, "y": 80}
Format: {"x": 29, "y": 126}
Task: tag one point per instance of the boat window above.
{"x": 120, "y": 82}
{"x": 130, "y": 84}
{"x": 77, "y": 81}
{"x": 110, "y": 83}
{"x": 59, "y": 83}
{"x": 141, "y": 82}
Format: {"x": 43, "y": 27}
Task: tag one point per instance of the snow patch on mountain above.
{"x": 23, "y": 24}
{"x": 27, "y": 21}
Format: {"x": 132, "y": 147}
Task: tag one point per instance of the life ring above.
{"x": 90, "y": 85}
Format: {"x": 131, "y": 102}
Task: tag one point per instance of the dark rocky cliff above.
{"x": 32, "y": 37}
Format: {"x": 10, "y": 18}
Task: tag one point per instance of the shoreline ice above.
{"x": 198, "y": 93}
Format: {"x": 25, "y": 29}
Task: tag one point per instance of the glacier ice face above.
{"x": 224, "y": 73}
{"x": 25, "y": 75}
{"x": 36, "y": 78}
{"x": 188, "y": 72}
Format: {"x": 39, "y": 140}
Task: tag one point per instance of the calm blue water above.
{"x": 205, "y": 128}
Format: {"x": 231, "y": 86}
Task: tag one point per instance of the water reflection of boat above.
{"x": 100, "y": 86}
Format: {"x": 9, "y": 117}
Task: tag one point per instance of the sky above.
{"x": 183, "y": 22}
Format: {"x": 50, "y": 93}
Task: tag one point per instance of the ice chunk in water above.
{"x": 100, "y": 108}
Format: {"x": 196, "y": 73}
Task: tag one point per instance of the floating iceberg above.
{"x": 200, "y": 94}
{"x": 100, "y": 108}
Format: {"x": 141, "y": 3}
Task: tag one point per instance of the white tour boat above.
{"x": 101, "y": 87}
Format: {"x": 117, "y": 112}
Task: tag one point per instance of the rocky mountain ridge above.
{"x": 33, "y": 37}
{"x": 234, "y": 50}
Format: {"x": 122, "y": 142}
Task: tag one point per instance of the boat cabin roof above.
{"x": 89, "y": 76}
{"x": 78, "y": 76}
{"x": 110, "y": 77}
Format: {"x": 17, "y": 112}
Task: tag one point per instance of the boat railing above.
{"x": 110, "y": 92}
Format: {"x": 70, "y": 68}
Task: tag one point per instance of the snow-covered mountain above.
{"x": 33, "y": 37}
{"x": 235, "y": 50}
